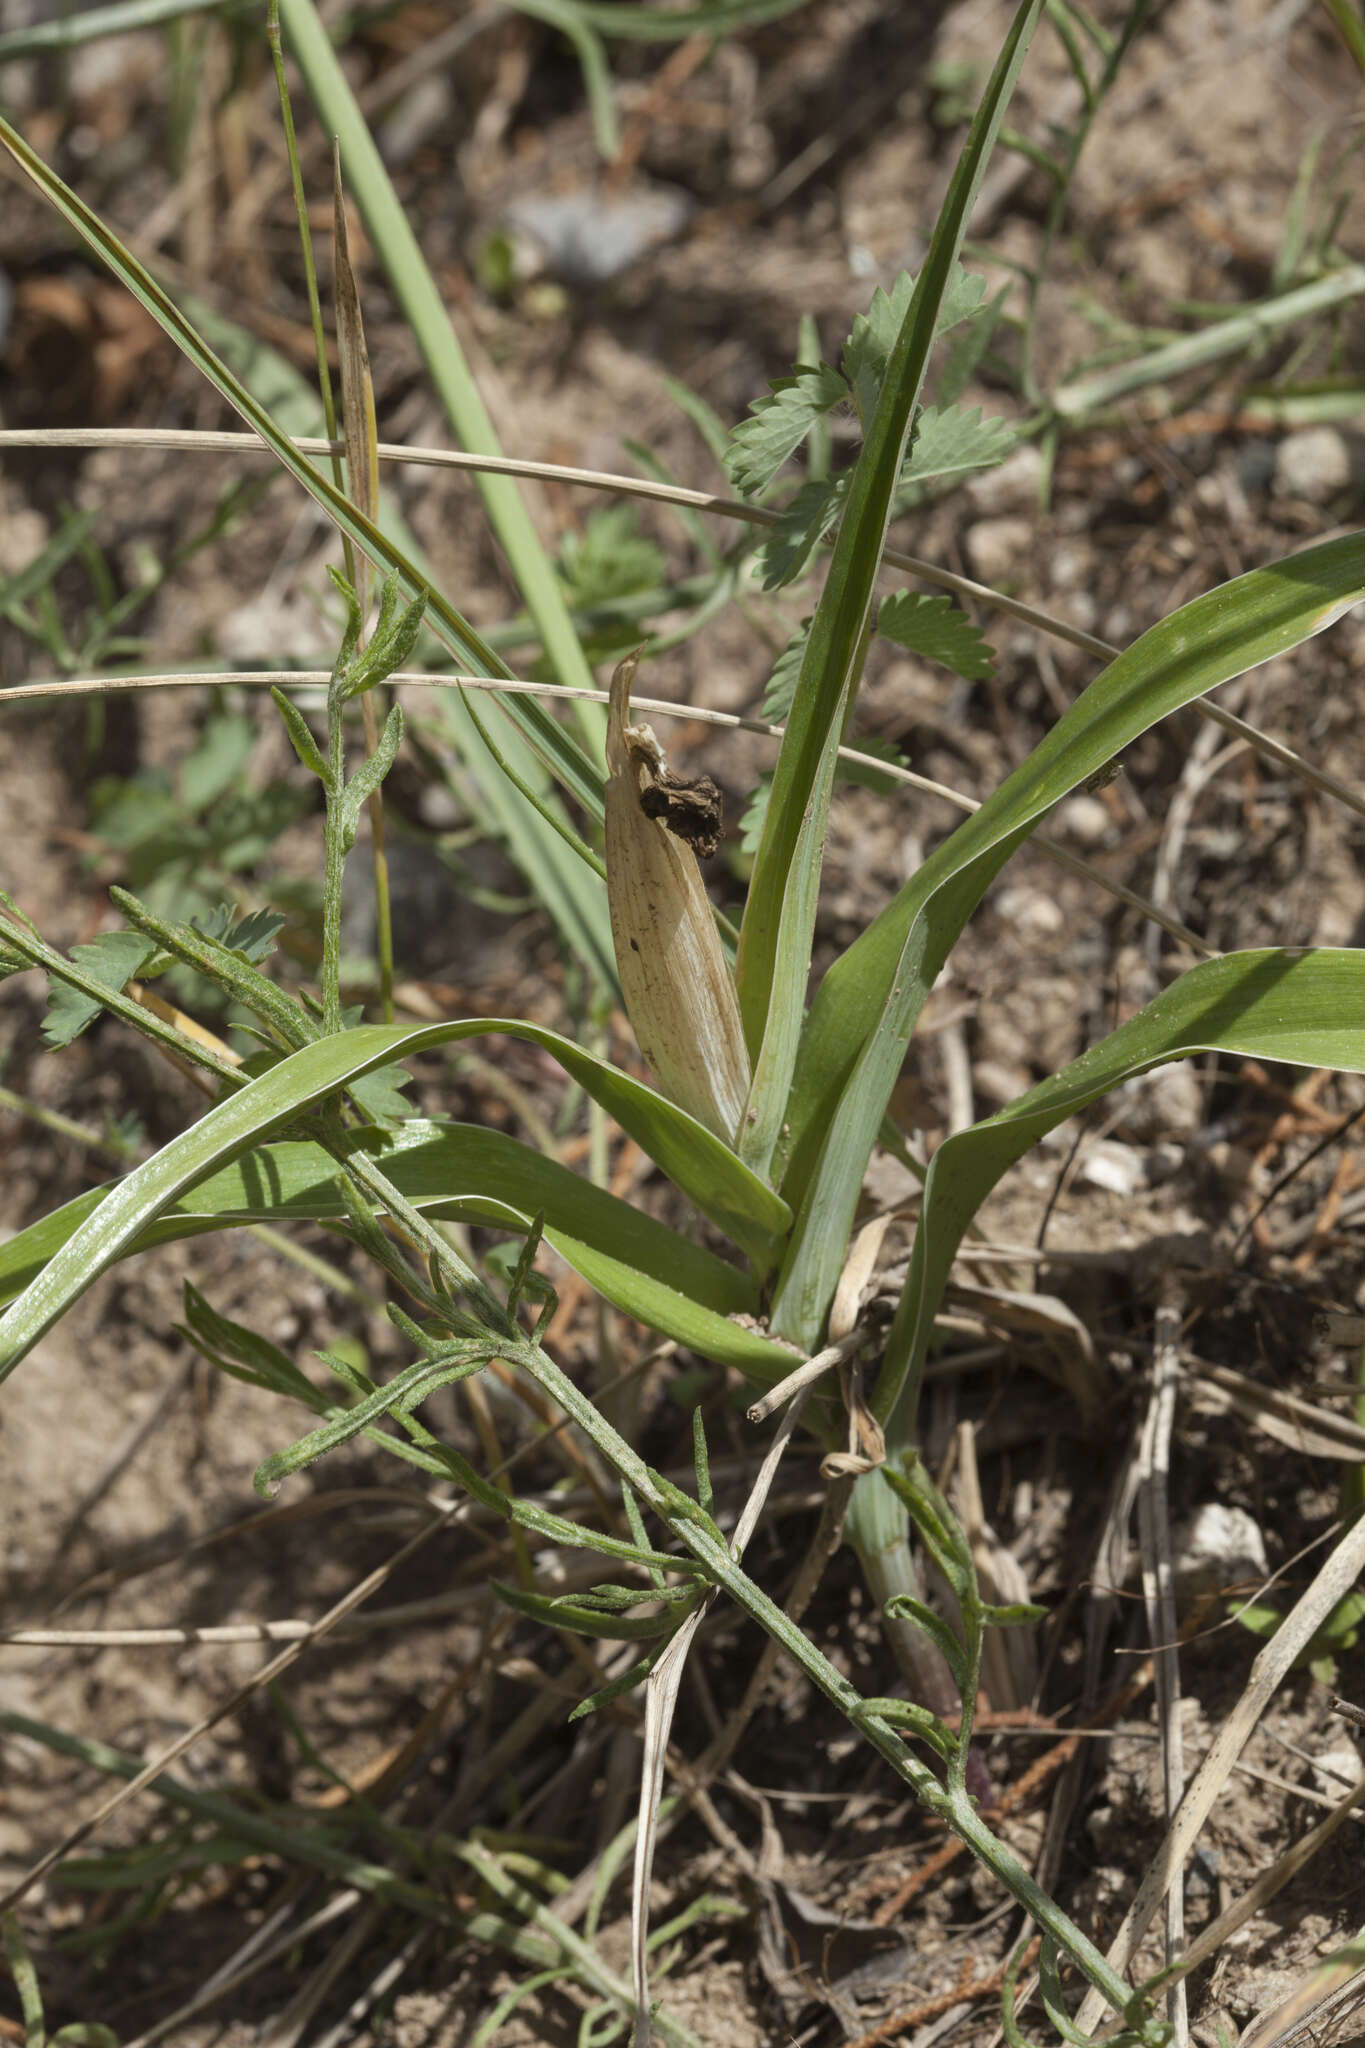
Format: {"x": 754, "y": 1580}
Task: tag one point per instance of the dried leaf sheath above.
{"x": 679, "y": 994}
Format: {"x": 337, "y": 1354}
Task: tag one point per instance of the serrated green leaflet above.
{"x": 1306, "y": 1008}
{"x": 778, "y": 423}
{"x": 704, "y": 1168}
{"x": 950, "y": 441}
{"x": 779, "y": 918}
{"x": 937, "y": 629}
{"x": 866, "y": 1007}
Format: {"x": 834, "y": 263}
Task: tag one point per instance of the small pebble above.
{"x": 999, "y": 548}
{"x": 1314, "y": 463}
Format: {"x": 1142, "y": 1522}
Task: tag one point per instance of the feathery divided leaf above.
{"x": 399, "y": 1396}
{"x": 301, "y": 739}
{"x": 370, "y": 774}
{"x": 609, "y": 559}
{"x": 245, "y": 1355}
{"x": 599, "y": 1613}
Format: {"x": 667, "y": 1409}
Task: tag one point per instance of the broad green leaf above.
{"x": 937, "y": 630}
{"x": 706, "y": 1171}
{"x": 663, "y": 1308}
{"x": 867, "y": 1005}
{"x": 778, "y": 423}
{"x": 1305, "y": 1008}
{"x": 112, "y": 959}
{"x": 775, "y": 943}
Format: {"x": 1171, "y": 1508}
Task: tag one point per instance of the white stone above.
{"x": 1116, "y": 1168}
{"x": 999, "y": 547}
{"x": 1012, "y": 486}
{"x": 1084, "y": 820}
{"x": 1313, "y": 463}
{"x": 1219, "y": 1546}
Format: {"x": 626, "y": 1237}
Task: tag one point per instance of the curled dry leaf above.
{"x": 676, "y": 982}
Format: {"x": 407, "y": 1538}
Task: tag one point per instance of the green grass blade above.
{"x": 1252, "y": 327}
{"x": 443, "y": 1169}
{"x": 422, "y": 307}
{"x": 1305, "y": 1008}
{"x": 669, "y": 25}
{"x": 592, "y": 62}
{"x": 779, "y": 919}
{"x": 460, "y": 1173}
{"x": 868, "y": 1003}
{"x": 574, "y": 898}
{"x": 705, "y": 1169}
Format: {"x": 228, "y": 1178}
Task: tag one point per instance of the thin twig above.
{"x": 659, "y": 707}
{"x": 702, "y": 501}
{"x": 1158, "y": 1590}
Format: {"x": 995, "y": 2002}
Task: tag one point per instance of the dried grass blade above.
{"x": 661, "y": 1695}
{"x": 1333, "y": 1582}
{"x": 1158, "y": 1592}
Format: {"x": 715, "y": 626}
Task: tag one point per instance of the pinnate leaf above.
{"x": 112, "y": 960}
{"x": 778, "y": 424}
{"x": 610, "y": 559}
{"x": 937, "y": 630}
{"x": 777, "y": 698}
{"x": 949, "y": 441}
{"x": 252, "y": 936}
{"x": 874, "y": 332}
{"x": 800, "y": 528}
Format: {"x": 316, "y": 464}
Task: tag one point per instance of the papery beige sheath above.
{"x": 678, "y": 989}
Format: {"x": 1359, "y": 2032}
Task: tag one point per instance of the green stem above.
{"x": 334, "y": 862}
{"x": 698, "y": 1534}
